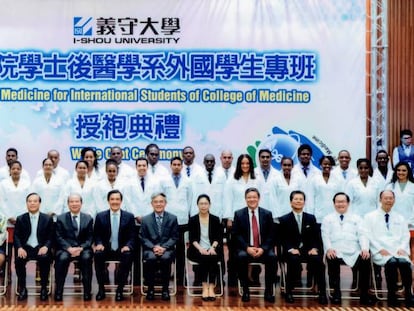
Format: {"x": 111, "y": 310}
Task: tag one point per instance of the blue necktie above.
{"x": 114, "y": 231}
{"x": 188, "y": 171}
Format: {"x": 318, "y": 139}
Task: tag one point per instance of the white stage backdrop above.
{"x": 234, "y": 74}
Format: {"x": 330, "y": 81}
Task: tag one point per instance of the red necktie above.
{"x": 255, "y": 229}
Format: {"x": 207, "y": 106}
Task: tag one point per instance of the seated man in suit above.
{"x": 159, "y": 235}
{"x": 74, "y": 237}
{"x": 33, "y": 234}
{"x": 115, "y": 239}
{"x": 389, "y": 238}
{"x": 345, "y": 243}
{"x": 253, "y": 234}
{"x": 301, "y": 241}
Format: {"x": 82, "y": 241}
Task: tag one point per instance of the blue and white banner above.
{"x": 235, "y": 74}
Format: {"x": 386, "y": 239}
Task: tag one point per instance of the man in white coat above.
{"x": 389, "y": 245}
{"x": 345, "y": 243}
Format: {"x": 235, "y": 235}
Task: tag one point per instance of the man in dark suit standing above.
{"x": 253, "y": 233}
{"x": 74, "y": 238}
{"x": 115, "y": 239}
{"x": 33, "y": 233}
{"x": 159, "y": 235}
{"x": 301, "y": 241}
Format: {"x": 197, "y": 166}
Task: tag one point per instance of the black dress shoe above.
{"x": 22, "y": 294}
{"x": 119, "y": 296}
{"x": 212, "y": 298}
{"x": 100, "y": 295}
{"x": 165, "y": 295}
{"x": 150, "y": 295}
{"x": 336, "y": 298}
{"x": 289, "y": 298}
{"x": 87, "y": 296}
{"x": 393, "y": 302}
{"x": 269, "y": 297}
{"x": 58, "y": 297}
{"x": 44, "y": 294}
{"x": 205, "y": 298}
{"x": 322, "y": 299}
{"x": 366, "y": 301}
{"x": 246, "y": 296}
{"x": 409, "y": 302}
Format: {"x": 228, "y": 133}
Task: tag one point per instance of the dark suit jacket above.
{"x": 23, "y": 228}
{"x": 127, "y": 230}
{"x": 215, "y": 232}
{"x": 149, "y": 232}
{"x": 65, "y": 233}
{"x": 241, "y": 228}
{"x": 290, "y": 236}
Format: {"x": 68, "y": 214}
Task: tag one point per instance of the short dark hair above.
{"x": 13, "y": 150}
{"x": 295, "y": 192}
{"x": 141, "y": 159}
{"x": 176, "y": 158}
{"x": 304, "y": 147}
{"x": 341, "y": 193}
{"x": 33, "y": 193}
{"x": 251, "y": 189}
{"x": 264, "y": 150}
{"x": 114, "y": 192}
{"x": 406, "y": 132}
{"x": 149, "y": 146}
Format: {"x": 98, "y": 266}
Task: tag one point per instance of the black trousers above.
{"x": 391, "y": 274}
{"x": 62, "y": 261}
{"x": 268, "y": 258}
{"x": 363, "y": 266}
{"x": 154, "y": 263}
{"x": 42, "y": 260}
{"x": 125, "y": 263}
{"x": 315, "y": 264}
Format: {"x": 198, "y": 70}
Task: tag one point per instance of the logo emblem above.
{"x": 82, "y": 26}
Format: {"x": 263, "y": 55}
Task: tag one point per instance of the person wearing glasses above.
{"x": 405, "y": 151}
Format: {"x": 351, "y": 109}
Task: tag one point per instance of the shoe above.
{"x": 205, "y": 298}
{"x": 58, "y": 297}
{"x": 322, "y": 299}
{"x": 246, "y": 296}
{"x": 409, "y": 302}
{"x": 393, "y": 302}
{"x": 100, "y": 295}
{"x": 22, "y": 294}
{"x": 165, "y": 295}
{"x": 366, "y": 301}
{"x": 119, "y": 296}
{"x": 44, "y": 295}
{"x": 212, "y": 298}
{"x": 289, "y": 298}
{"x": 336, "y": 298}
{"x": 269, "y": 297}
{"x": 87, "y": 297}
{"x": 150, "y": 295}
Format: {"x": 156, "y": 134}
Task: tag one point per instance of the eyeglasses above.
{"x": 406, "y": 137}
{"x": 265, "y": 157}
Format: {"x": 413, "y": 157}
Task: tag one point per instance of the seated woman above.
{"x": 206, "y": 245}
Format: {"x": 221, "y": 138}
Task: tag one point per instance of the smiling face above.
{"x": 297, "y": 202}
{"x": 252, "y": 199}
{"x": 341, "y": 203}
{"x": 90, "y": 158}
{"x": 158, "y": 204}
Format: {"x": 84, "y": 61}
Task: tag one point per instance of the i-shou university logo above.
{"x": 126, "y": 30}
{"x": 285, "y": 144}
